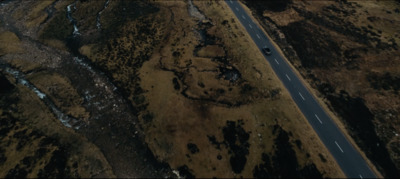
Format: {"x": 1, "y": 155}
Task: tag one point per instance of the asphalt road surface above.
{"x": 349, "y": 159}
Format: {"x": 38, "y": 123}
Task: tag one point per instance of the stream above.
{"x": 102, "y": 99}
{"x": 63, "y": 118}
{"x": 98, "y": 24}
{"x": 71, "y": 19}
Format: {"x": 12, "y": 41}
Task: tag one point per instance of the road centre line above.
{"x": 288, "y": 77}
{"x": 256, "y": 28}
{"x": 302, "y": 96}
{"x": 250, "y": 26}
{"x": 318, "y": 118}
{"x": 278, "y": 64}
{"x": 339, "y": 146}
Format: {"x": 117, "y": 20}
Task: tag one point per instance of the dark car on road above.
{"x": 266, "y": 50}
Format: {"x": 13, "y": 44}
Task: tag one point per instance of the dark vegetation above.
{"x": 61, "y": 29}
{"x": 112, "y": 57}
{"x": 313, "y": 52}
{"x": 316, "y": 48}
{"x": 337, "y": 24}
{"x": 283, "y": 164}
{"x": 184, "y": 171}
{"x": 58, "y": 28}
{"x": 359, "y": 119}
{"x": 55, "y": 167}
{"x": 272, "y": 5}
{"x": 5, "y": 85}
{"x": 214, "y": 142}
{"x": 384, "y": 81}
{"x": 126, "y": 10}
{"x": 192, "y": 148}
{"x": 176, "y": 84}
{"x": 225, "y": 71}
{"x": 231, "y": 74}
{"x": 323, "y": 159}
{"x": 236, "y": 140}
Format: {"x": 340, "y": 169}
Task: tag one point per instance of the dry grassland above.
{"x": 208, "y": 103}
{"x": 190, "y": 110}
{"x": 60, "y": 91}
{"x": 36, "y": 144}
{"x": 9, "y": 43}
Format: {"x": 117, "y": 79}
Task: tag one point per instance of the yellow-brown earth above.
{"x": 158, "y": 87}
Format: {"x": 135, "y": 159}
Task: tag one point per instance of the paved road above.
{"x": 350, "y": 161}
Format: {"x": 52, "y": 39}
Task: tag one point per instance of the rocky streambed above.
{"x": 111, "y": 125}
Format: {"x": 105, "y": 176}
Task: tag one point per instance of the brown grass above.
{"x": 33, "y": 115}
{"x": 34, "y": 16}
{"x": 9, "y": 43}
{"x": 179, "y": 120}
{"x": 211, "y": 51}
{"x": 59, "y": 89}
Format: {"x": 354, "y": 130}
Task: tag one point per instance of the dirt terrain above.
{"x": 144, "y": 89}
{"x": 348, "y": 51}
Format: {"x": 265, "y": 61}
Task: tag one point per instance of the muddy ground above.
{"x": 144, "y": 89}
{"x": 349, "y": 52}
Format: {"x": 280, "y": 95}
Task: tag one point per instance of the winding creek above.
{"x": 98, "y": 23}
{"x": 71, "y": 19}
{"x": 63, "y": 118}
{"x": 102, "y": 99}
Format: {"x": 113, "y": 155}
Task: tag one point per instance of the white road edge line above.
{"x": 243, "y": 17}
{"x": 360, "y": 176}
{"x": 288, "y": 77}
{"x": 250, "y": 26}
{"x": 277, "y": 62}
{"x": 302, "y": 96}
{"x": 318, "y": 118}
{"x": 237, "y": 9}
{"x": 339, "y": 146}
{"x": 258, "y": 36}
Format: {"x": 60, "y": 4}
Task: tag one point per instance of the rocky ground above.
{"x": 144, "y": 89}
{"x": 348, "y": 51}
